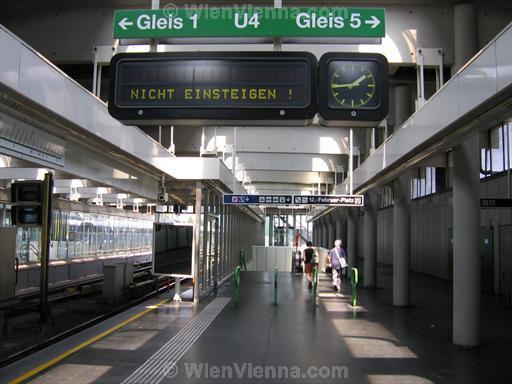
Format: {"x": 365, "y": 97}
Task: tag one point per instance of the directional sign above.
{"x": 337, "y": 200}
{"x": 247, "y": 21}
{"x": 496, "y": 203}
{"x": 257, "y": 199}
{"x": 331, "y": 200}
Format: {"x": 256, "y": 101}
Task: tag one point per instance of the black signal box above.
{"x": 27, "y": 199}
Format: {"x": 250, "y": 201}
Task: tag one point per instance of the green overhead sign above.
{"x": 250, "y": 22}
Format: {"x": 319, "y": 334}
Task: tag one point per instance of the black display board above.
{"x": 353, "y": 89}
{"x": 496, "y": 203}
{"x": 214, "y": 87}
{"x": 172, "y": 246}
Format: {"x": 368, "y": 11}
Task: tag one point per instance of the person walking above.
{"x": 310, "y": 260}
{"x": 338, "y": 260}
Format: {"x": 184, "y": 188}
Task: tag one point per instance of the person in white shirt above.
{"x": 338, "y": 260}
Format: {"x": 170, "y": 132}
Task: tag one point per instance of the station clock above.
{"x": 353, "y": 89}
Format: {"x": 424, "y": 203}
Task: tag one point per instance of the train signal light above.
{"x": 27, "y": 199}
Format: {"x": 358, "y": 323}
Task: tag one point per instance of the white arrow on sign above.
{"x": 374, "y": 21}
{"x": 124, "y": 23}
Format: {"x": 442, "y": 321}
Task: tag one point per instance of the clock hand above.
{"x": 342, "y": 85}
{"x": 359, "y": 80}
{"x": 350, "y": 85}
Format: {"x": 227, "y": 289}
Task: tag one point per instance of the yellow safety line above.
{"x": 69, "y": 352}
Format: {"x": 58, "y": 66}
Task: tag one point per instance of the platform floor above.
{"x": 255, "y": 341}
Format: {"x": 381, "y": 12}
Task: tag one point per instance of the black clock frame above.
{"x": 352, "y": 117}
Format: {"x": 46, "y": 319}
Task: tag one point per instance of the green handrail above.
{"x": 237, "y": 285}
{"x": 354, "y": 281}
{"x": 276, "y": 274}
{"x": 315, "y": 286}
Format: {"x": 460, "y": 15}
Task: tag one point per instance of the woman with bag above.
{"x": 338, "y": 260}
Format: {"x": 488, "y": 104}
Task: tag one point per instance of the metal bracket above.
{"x": 101, "y": 55}
{"x": 428, "y": 58}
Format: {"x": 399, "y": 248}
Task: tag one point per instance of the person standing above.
{"x": 309, "y": 262}
{"x": 338, "y": 260}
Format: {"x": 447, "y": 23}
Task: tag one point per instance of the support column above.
{"x": 325, "y": 232}
{"x": 401, "y": 241}
{"x": 466, "y": 257}
{"x": 271, "y": 230}
{"x": 340, "y": 230}
{"x": 294, "y": 227}
{"x": 332, "y": 230}
{"x": 197, "y": 237}
{"x": 465, "y": 34}
{"x": 318, "y": 237}
{"x": 402, "y": 104}
{"x": 351, "y": 238}
{"x": 370, "y": 241}
{"x": 3, "y": 214}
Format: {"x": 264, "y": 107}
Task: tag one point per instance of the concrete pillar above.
{"x": 325, "y": 232}
{"x": 401, "y": 241}
{"x": 402, "y": 104}
{"x": 351, "y": 243}
{"x": 466, "y": 230}
{"x": 3, "y": 214}
{"x": 332, "y": 230}
{"x": 320, "y": 233}
{"x": 319, "y": 236}
{"x": 340, "y": 227}
{"x": 370, "y": 241}
{"x": 197, "y": 237}
{"x": 270, "y": 230}
{"x": 465, "y": 34}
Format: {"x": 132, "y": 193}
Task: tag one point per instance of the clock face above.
{"x": 353, "y": 84}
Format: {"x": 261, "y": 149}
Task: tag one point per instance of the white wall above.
{"x": 431, "y": 221}
{"x": 431, "y": 218}
{"x": 268, "y": 258}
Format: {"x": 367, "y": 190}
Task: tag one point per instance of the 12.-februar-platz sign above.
{"x": 248, "y": 21}
{"x": 330, "y": 200}
{"x": 214, "y": 87}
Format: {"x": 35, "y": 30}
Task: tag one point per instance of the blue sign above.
{"x": 337, "y": 200}
{"x": 257, "y": 199}
{"x": 334, "y": 200}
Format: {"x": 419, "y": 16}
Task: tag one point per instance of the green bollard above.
{"x": 242, "y": 259}
{"x": 276, "y": 274}
{"x": 237, "y": 285}
{"x": 354, "y": 281}
{"x": 315, "y": 286}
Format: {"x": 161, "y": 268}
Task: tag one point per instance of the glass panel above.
{"x": 78, "y": 234}
{"x": 428, "y": 181}
{"x": 497, "y": 149}
{"x": 434, "y": 179}
{"x": 508, "y": 129}
{"x": 485, "y": 158}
